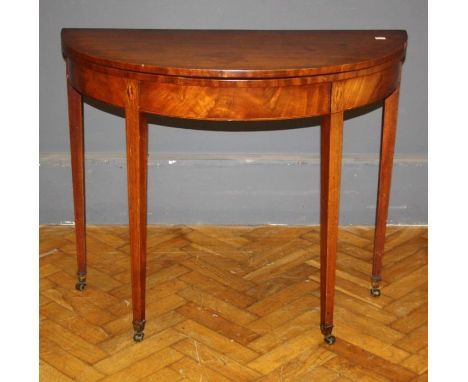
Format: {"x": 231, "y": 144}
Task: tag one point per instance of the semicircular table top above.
{"x": 234, "y": 53}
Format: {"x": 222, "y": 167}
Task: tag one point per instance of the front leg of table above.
{"x": 137, "y": 153}
{"x": 331, "y": 137}
{"x": 75, "y": 118}
{"x": 389, "y": 125}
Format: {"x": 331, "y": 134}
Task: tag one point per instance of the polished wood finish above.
{"x": 363, "y": 91}
{"x": 234, "y": 53}
{"x": 331, "y": 138}
{"x": 137, "y": 173}
{"x": 75, "y": 114}
{"x": 389, "y": 126}
{"x": 236, "y": 103}
{"x": 233, "y": 303}
{"x": 247, "y": 99}
{"x": 238, "y": 76}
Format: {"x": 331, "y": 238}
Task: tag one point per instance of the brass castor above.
{"x": 80, "y": 285}
{"x": 138, "y": 336}
{"x": 329, "y": 339}
{"x": 375, "y": 292}
{"x": 138, "y": 326}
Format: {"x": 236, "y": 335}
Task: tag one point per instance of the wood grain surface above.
{"x": 234, "y": 53}
{"x": 233, "y": 304}
{"x": 235, "y": 75}
{"x": 77, "y": 154}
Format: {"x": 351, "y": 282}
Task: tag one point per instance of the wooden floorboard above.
{"x": 232, "y": 304}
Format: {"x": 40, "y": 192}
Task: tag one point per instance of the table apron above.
{"x": 214, "y": 100}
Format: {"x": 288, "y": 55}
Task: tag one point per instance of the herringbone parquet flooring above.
{"x": 232, "y": 304}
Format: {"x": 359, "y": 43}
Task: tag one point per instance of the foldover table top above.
{"x": 234, "y": 53}
{"x": 235, "y": 75}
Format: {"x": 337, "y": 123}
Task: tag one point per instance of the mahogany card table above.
{"x": 234, "y": 75}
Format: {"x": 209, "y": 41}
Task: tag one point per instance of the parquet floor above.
{"x": 232, "y": 304}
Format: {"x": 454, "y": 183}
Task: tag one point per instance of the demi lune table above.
{"x": 233, "y": 75}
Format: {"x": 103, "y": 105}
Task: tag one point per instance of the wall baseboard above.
{"x": 232, "y": 189}
{"x": 53, "y": 159}
{"x": 72, "y": 224}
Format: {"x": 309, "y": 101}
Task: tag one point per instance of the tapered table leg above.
{"x": 75, "y": 118}
{"x": 331, "y": 137}
{"x": 389, "y": 124}
{"x": 137, "y": 151}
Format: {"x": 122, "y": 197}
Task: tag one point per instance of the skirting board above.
{"x": 232, "y": 189}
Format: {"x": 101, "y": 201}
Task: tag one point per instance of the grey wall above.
{"x": 231, "y": 177}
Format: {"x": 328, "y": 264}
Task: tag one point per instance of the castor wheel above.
{"x": 329, "y": 339}
{"x": 80, "y": 285}
{"x": 138, "y": 336}
{"x": 375, "y": 292}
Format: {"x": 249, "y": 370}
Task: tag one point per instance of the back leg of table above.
{"x": 331, "y": 138}
{"x": 75, "y": 118}
{"x": 389, "y": 124}
{"x": 137, "y": 153}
